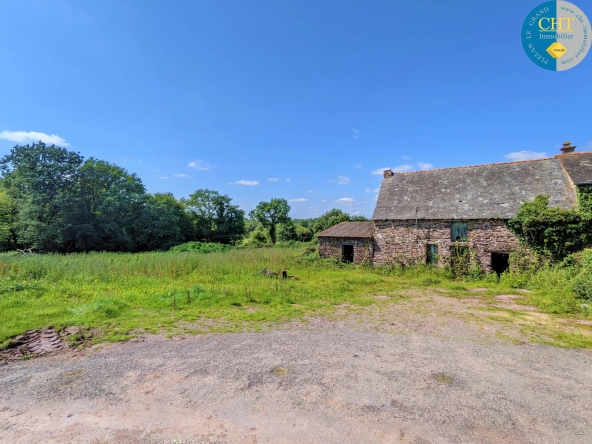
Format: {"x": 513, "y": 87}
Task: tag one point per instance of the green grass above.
{"x": 118, "y": 294}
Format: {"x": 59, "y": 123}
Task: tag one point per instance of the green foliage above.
{"x": 201, "y": 247}
{"x": 215, "y": 218}
{"x": 333, "y": 217}
{"x": 554, "y": 231}
{"x": 7, "y": 218}
{"x": 287, "y": 232}
{"x": 582, "y": 285}
{"x": 585, "y": 200}
{"x": 109, "y": 210}
{"x": 271, "y": 214}
{"x": 118, "y": 293}
{"x": 330, "y": 218}
{"x": 462, "y": 263}
{"x": 42, "y": 180}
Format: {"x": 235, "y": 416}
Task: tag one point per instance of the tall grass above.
{"x": 119, "y": 293}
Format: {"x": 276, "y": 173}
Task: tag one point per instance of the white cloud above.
{"x": 368, "y": 190}
{"x": 525, "y": 155}
{"x": 345, "y": 200}
{"x": 358, "y": 166}
{"x": 32, "y": 136}
{"x": 288, "y": 180}
{"x": 343, "y": 180}
{"x": 407, "y": 157}
{"x": 324, "y": 200}
{"x": 379, "y": 171}
{"x": 397, "y": 169}
{"x": 180, "y": 175}
{"x": 163, "y": 177}
{"x": 300, "y": 199}
{"x": 425, "y": 166}
{"x": 357, "y": 213}
{"x": 310, "y": 191}
{"x": 588, "y": 145}
{"x": 249, "y": 183}
{"x": 200, "y": 165}
{"x": 355, "y": 130}
{"x": 273, "y": 179}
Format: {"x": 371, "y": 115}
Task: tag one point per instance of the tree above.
{"x": 215, "y": 218}
{"x": 107, "y": 209}
{"x": 555, "y": 231}
{"x": 41, "y": 180}
{"x": 161, "y": 224}
{"x": 330, "y": 218}
{"x": 270, "y": 214}
{"x": 287, "y": 231}
{"x": 7, "y": 221}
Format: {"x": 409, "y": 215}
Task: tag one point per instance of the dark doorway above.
{"x": 500, "y": 262}
{"x": 348, "y": 253}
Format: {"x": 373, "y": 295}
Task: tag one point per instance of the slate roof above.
{"x": 349, "y": 229}
{"x": 488, "y": 191}
{"x": 579, "y": 167}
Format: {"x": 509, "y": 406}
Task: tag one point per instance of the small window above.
{"x": 432, "y": 254}
{"x": 459, "y": 231}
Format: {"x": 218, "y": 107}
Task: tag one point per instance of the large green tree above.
{"x": 270, "y": 214}
{"x": 161, "y": 224}
{"x": 215, "y": 218}
{"x": 8, "y": 213}
{"x": 41, "y": 180}
{"x": 109, "y": 203}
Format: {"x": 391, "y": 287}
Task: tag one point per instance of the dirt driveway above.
{"x": 421, "y": 380}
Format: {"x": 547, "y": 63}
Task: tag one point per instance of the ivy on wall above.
{"x": 553, "y": 231}
{"x": 585, "y": 200}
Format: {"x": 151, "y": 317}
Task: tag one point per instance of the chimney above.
{"x": 388, "y": 173}
{"x": 567, "y": 148}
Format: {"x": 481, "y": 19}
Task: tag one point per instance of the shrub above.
{"x": 555, "y": 231}
{"x": 582, "y": 285}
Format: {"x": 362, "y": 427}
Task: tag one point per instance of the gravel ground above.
{"x": 328, "y": 384}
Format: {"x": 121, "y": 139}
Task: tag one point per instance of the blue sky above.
{"x": 300, "y": 99}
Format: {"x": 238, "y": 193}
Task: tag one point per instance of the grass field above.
{"x": 119, "y": 294}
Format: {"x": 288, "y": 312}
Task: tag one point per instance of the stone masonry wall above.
{"x": 400, "y": 241}
{"x": 332, "y": 247}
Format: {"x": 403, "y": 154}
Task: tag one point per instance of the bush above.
{"x": 582, "y": 286}
{"x": 200, "y": 247}
{"x": 555, "y": 231}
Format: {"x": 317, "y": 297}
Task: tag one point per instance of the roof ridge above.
{"x": 478, "y": 165}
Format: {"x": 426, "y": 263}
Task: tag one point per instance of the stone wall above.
{"x": 401, "y": 241}
{"x": 332, "y": 247}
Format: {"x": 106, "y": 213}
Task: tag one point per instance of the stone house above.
{"x": 429, "y": 216}
{"x": 348, "y": 241}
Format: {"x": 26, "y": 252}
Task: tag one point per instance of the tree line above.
{"x": 54, "y": 200}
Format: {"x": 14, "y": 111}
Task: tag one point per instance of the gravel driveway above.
{"x": 320, "y": 385}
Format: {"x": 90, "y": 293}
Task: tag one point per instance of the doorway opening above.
{"x": 348, "y": 253}
{"x": 432, "y": 254}
{"x": 500, "y": 262}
